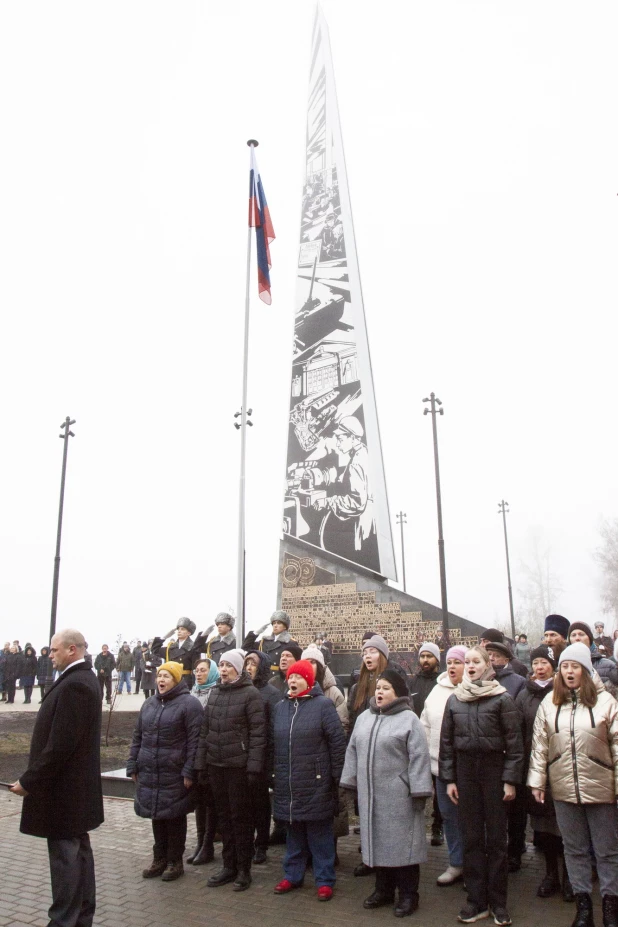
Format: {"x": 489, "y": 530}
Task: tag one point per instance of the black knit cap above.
{"x": 492, "y": 634}
{"x": 582, "y": 626}
{"x": 545, "y": 652}
{"x": 396, "y": 681}
{"x": 294, "y": 649}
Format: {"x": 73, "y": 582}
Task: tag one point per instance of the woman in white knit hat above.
{"x": 575, "y": 743}
{"x": 328, "y": 683}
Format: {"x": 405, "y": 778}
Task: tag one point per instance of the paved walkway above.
{"x": 122, "y": 848}
{"x": 123, "y": 702}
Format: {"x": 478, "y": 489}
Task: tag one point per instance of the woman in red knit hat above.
{"x": 309, "y": 746}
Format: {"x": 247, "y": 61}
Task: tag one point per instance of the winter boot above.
{"x": 198, "y": 847}
{"x": 567, "y": 888}
{"x": 406, "y": 905}
{"x": 156, "y": 869}
{"x": 174, "y": 870}
{"x": 205, "y": 854}
{"x": 583, "y": 916}
{"x": 242, "y": 881}
{"x": 551, "y": 883}
{"x": 222, "y": 877}
{"x": 610, "y": 911}
{"x": 437, "y": 835}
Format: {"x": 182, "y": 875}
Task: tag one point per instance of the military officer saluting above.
{"x": 226, "y": 640}
{"x": 273, "y": 644}
{"x": 183, "y": 650}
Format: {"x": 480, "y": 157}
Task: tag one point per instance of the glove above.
{"x": 208, "y": 630}
{"x": 262, "y": 629}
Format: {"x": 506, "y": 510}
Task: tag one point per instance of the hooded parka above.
{"x": 387, "y": 760}
{"x": 44, "y": 668}
{"x": 578, "y": 748}
{"x": 163, "y": 754}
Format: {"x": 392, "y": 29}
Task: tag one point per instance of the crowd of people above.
{"x": 502, "y": 736}
{"x": 505, "y": 735}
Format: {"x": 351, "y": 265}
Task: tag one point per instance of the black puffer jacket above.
{"x": 309, "y": 755}
{"x": 420, "y": 687}
{"x": 487, "y": 725}
{"x": 271, "y": 696}
{"x": 512, "y": 681}
{"x": 607, "y": 670}
{"x": 27, "y": 672}
{"x": 527, "y": 703}
{"x": 163, "y": 754}
{"x": 12, "y": 666}
{"x": 234, "y": 727}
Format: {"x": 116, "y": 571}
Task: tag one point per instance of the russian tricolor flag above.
{"x": 259, "y": 218}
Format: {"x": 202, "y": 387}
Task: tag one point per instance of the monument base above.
{"x": 324, "y": 594}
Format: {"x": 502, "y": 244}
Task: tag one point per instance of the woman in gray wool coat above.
{"x": 387, "y": 761}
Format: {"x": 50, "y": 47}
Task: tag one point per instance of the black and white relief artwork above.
{"x": 329, "y": 500}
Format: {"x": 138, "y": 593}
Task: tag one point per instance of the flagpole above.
{"x": 240, "y": 596}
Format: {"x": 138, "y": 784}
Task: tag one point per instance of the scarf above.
{"x": 468, "y": 691}
{"x": 211, "y": 680}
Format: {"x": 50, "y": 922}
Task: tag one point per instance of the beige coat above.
{"x": 578, "y": 747}
{"x": 337, "y": 698}
{"x": 432, "y": 715}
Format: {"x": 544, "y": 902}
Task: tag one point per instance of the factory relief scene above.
{"x": 329, "y": 501}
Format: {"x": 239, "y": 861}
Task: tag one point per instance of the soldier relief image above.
{"x": 335, "y": 492}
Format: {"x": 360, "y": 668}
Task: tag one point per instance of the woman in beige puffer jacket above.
{"x": 575, "y": 743}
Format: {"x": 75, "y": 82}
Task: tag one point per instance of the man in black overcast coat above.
{"x": 62, "y": 785}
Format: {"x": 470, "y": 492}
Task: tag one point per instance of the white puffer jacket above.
{"x": 578, "y": 748}
{"x": 432, "y": 715}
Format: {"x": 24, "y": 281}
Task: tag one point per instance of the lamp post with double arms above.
{"x": 503, "y": 510}
{"x": 67, "y": 433}
{"x": 435, "y": 409}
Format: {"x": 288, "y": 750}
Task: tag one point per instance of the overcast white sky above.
{"x": 481, "y": 146}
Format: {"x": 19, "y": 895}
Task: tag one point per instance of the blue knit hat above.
{"x": 559, "y": 624}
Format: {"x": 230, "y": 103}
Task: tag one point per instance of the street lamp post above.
{"x": 434, "y": 412}
{"x": 401, "y": 520}
{"x": 66, "y": 427}
{"x": 502, "y": 510}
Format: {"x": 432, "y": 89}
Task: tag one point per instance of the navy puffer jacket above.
{"x": 309, "y": 755}
{"x": 233, "y": 728}
{"x": 163, "y": 753}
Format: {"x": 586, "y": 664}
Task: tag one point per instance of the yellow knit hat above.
{"x": 174, "y": 669}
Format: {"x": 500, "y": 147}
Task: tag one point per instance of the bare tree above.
{"x": 539, "y": 587}
{"x": 606, "y": 555}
